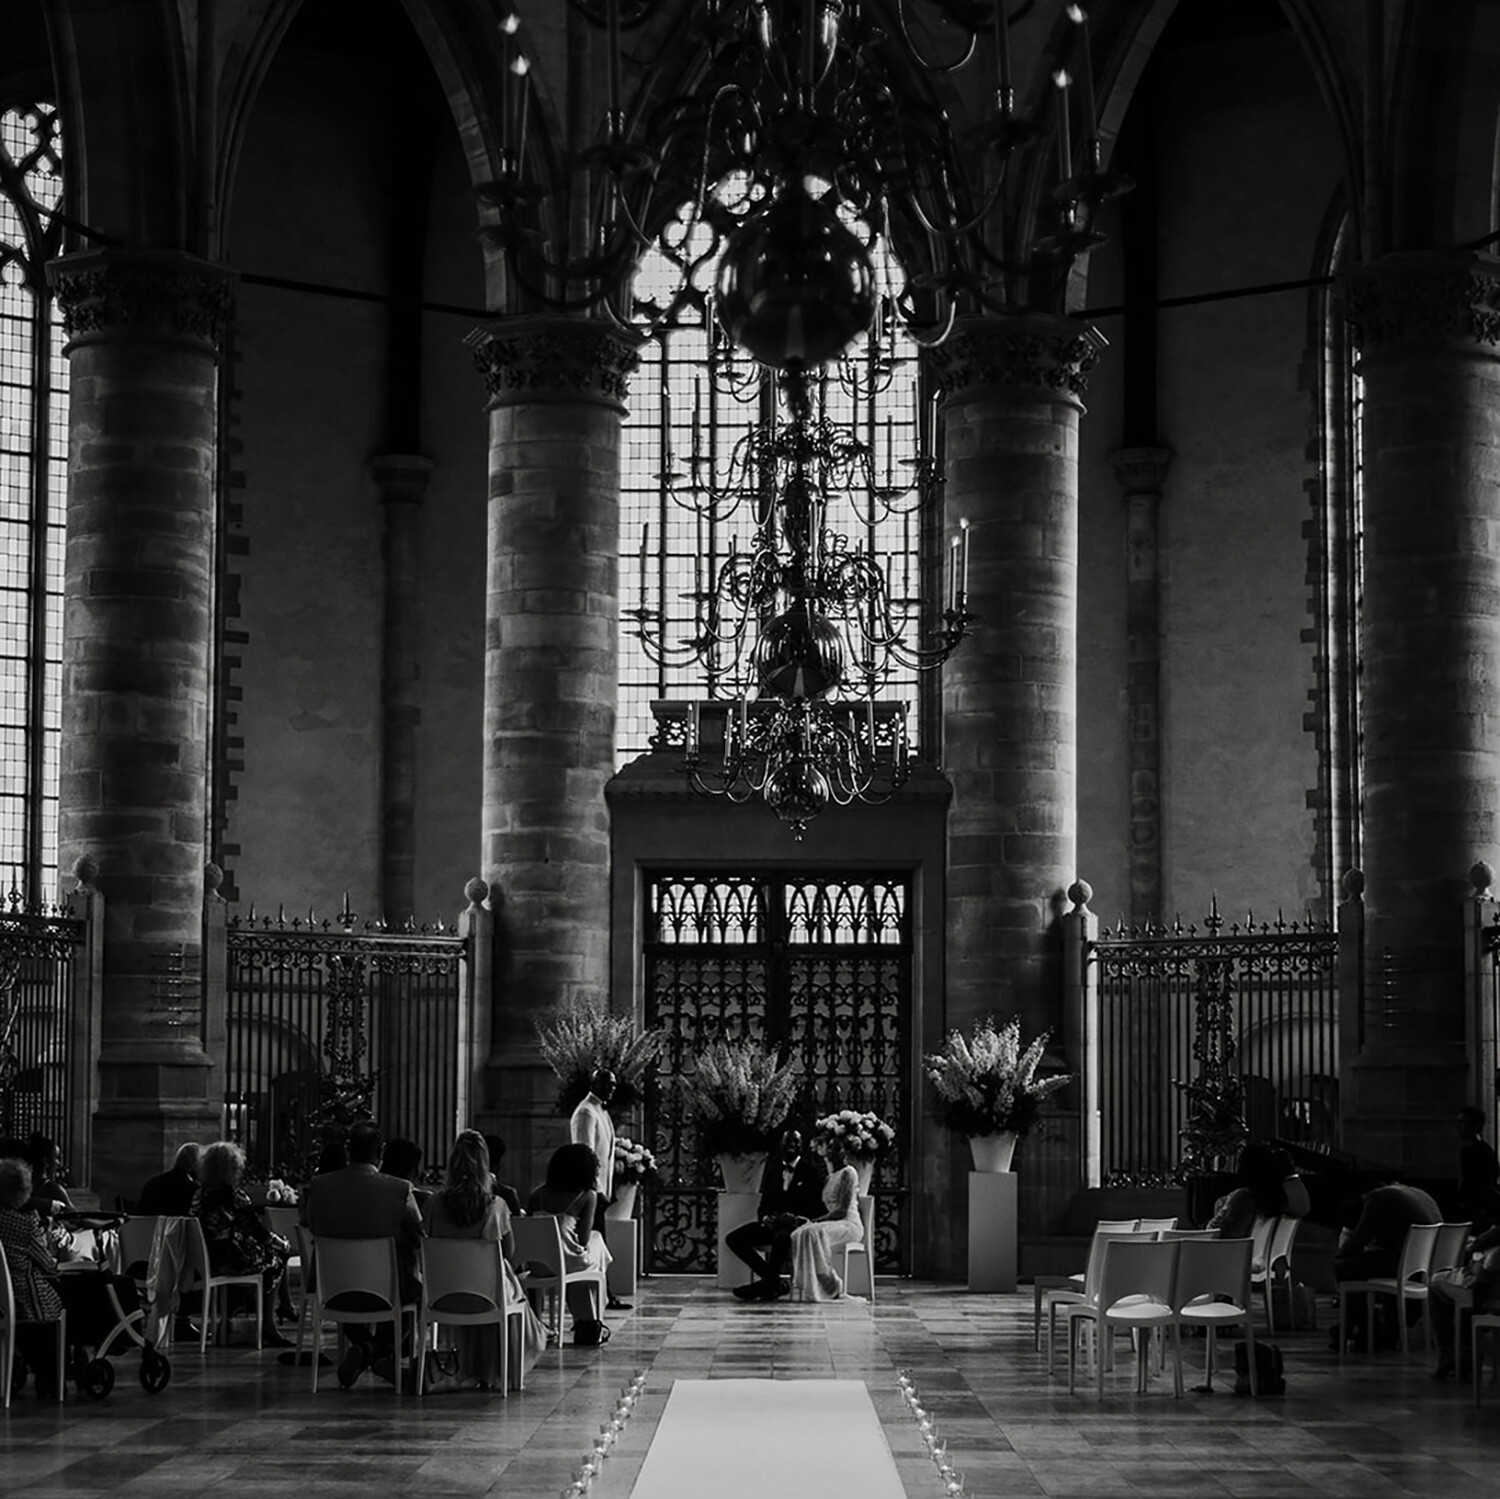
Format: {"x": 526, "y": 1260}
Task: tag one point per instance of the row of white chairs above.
{"x": 1426, "y": 1249}
{"x": 1142, "y": 1283}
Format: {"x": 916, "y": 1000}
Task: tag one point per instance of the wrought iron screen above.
{"x": 38, "y": 945}
{"x": 1280, "y": 982}
{"x": 817, "y": 965}
{"x": 310, "y": 1005}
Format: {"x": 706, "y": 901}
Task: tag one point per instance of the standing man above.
{"x": 592, "y": 1126}
{"x": 1478, "y": 1171}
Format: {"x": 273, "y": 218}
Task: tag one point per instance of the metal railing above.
{"x": 1273, "y": 987}
{"x": 321, "y": 1019}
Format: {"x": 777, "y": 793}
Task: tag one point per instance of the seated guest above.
{"x": 47, "y": 1192}
{"x": 171, "y": 1193}
{"x": 508, "y": 1195}
{"x": 1269, "y": 1188}
{"x": 1372, "y": 1246}
{"x": 791, "y": 1193}
{"x": 403, "y": 1158}
{"x": 41, "y": 1293}
{"x": 1473, "y": 1286}
{"x": 816, "y": 1246}
{"x": 466, "y": 1207}
{"x": 357, "y": 1202}
{"x": 239, "y": 1243}
{"x": 568, "y": 1194}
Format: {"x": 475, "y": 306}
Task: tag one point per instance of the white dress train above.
{"x": 816, "y": 1245}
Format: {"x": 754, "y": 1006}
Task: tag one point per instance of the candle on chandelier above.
{"x": 645, "y": 547}
{"x": 697, "y": 418}
{"x": 963, "y": 572}
{"x": 1064, "y": 140}
{"x": 1002, "y": 57}
{"x": 522, "y": 69}
{"x": 1080, "y": 18}
{"x": 612, "y": 24}
{"x": 952, "y": 590}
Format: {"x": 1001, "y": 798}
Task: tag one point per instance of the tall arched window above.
{"x": 33, "y": 498}
{"x": 684, "y": 420}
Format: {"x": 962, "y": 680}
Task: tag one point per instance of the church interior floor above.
{"x": 239, "y": 1420}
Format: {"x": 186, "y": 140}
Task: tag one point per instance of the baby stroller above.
{"x": 104, "y": 1313}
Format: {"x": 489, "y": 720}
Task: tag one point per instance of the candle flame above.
{"x": 1077, "y": 14}
{"x": 520, "y": 67}
{"x": 1062, "y": 78}
{"x": 510, "y": 24}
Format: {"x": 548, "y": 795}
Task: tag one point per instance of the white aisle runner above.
{"x": 768, "y": 1439}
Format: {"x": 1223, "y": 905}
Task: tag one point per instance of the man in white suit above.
{"x": 592, "y": 1126}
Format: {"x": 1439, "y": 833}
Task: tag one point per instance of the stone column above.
{"x": 1011, "y": 391}
{"x": 144, "y": 331}
{"x": 401, "y": 481}
{"x": 1429, "y": 331}
{"x": 557, "y": 392}
{"x": 1141, "y": 472}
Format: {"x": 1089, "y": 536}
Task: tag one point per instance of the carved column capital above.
{"x": 554, "y": 359}
{"x": 1029, "y": 349}
{"x": 1423, "y": 298}
{"x": 162, "y": 294}
{"x": 401, "y": 477}
{"x": 1141, "y": 470}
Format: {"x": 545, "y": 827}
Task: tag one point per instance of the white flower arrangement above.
{"x": 862, "y": 1134}
{"x": 740, "y": 1096}
{"x": 633, "y": 1163}
{"x": 279, "y": 1194}
{"x": 986, "y": 1084}
{"x": 577, "y": 1040}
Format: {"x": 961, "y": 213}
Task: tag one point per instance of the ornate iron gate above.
{"x": 819, "y": 965}
{"x": 1274, "y": 987}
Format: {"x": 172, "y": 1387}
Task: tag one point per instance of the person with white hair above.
{"x": 171, "y": 1193}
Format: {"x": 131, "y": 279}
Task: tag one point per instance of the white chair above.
{"x": 539, "y": 1242}
{"x": 1271, "y": 1265}
{"x": 1480, "y": 1322}
{"x": 1154, "y": 1225}
{"x": 8, "y": 1336}
{"x": 1216, "y": 1268}
{"x": 303, "y": 1238}
{"x": 1183, "y": 1235}
{"x": 1408, "y": 1284}
{"x": 1076, "y": 1290}
{"x": 133, "y": 1249}
{"x": 1042, "y": 1284}
{"x": 1448, "y": 1252}
{"x": 214, "y": 1287}
{"x": 862, "y": 1254}
{"x": 358, "y": 1280}
{"x": 1133, "y": 1291}
{"x": 463, "y": 1285}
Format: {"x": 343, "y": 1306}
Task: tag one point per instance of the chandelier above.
{"x": 813, "y": 131}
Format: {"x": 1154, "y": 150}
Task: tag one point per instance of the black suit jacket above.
{"x": 804, "y": 1194}
{"x": 170, "y": 1193}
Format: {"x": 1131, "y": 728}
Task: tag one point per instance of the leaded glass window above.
{"x": 33, "y": 497}
{"x": 688, "y": 409}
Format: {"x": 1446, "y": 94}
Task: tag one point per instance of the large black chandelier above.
{"x": 812, "y": 131}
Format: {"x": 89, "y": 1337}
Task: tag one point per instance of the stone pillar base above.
{"x": 136, "y": 1138}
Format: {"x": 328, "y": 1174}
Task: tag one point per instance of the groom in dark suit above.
{"x": 791, "y": 1193}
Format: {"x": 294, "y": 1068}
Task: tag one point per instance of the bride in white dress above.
{"x": 817, "y": 1246}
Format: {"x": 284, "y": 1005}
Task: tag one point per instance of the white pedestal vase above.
{"x": 623, "y": 1205}
{"x": 865, "y": 1171}
{"x": 992, "y": 1152}
{"x": 742, "y": 1173}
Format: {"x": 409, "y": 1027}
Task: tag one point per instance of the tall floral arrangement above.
{"x": 986, "y": 1082}
{"x": 740, "y": 1096}
{"x": 861, "y": 1134}
{"x": 577, "y": 1040}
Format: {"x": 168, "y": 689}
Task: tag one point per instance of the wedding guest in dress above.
{"x": 171, "y": 1194}
{"x": 816, "y": 1246}
{"x": 1269, "y": 1188}
{"x": 47, "y": 1191}
{"x": 569, "y": 1195}
{"x": 791, "y": 1193}
{"x": 33, "y": 1275}
{"x": 238, "y": 1240}
{"x": 466, "y": 1207}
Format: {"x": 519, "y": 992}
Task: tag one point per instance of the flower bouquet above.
{"x": 577, "y": 1040}
{"x": 986, "y": 1082}
{"x": 740, "y": 1096}
{"x": 860, "y": 1136}
{"x": 633, "y": 1163}
{"x": 279, "y": 1194}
